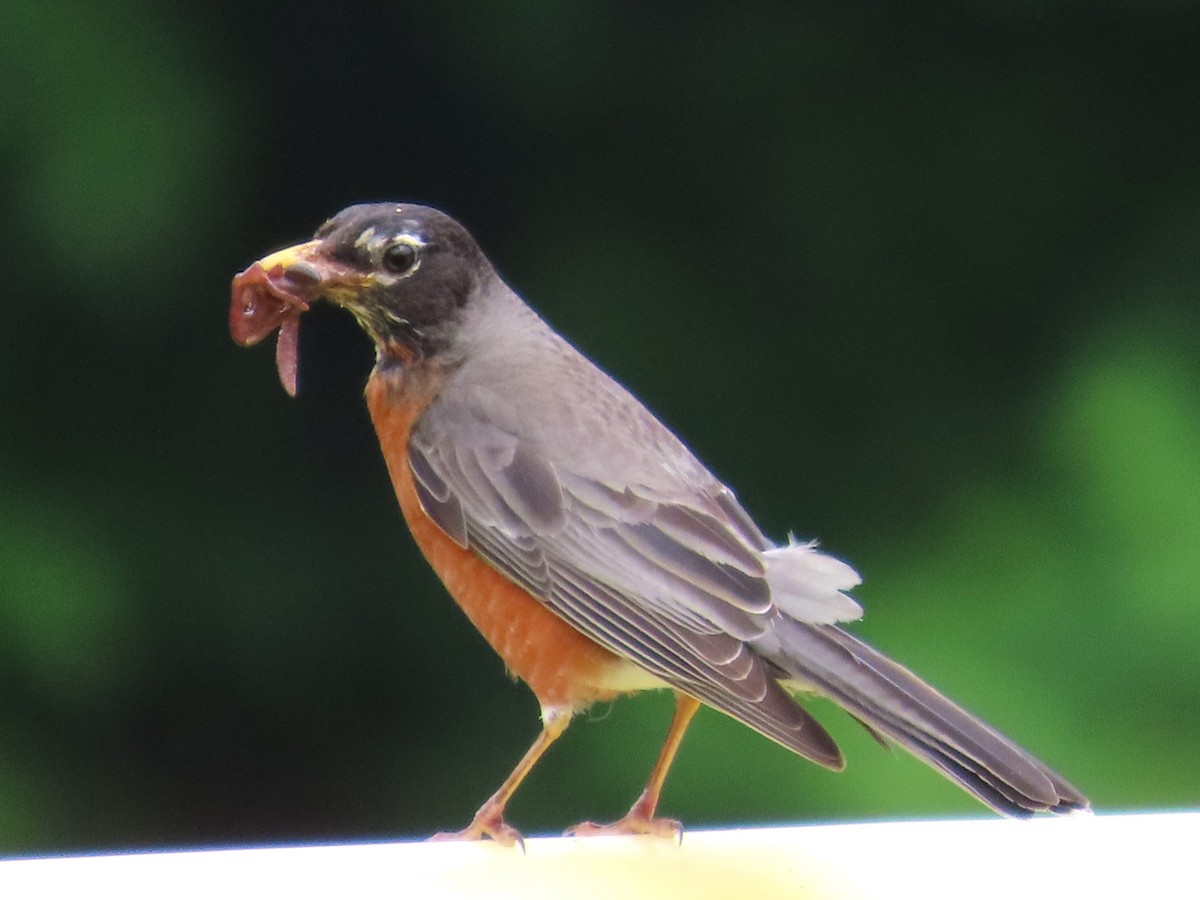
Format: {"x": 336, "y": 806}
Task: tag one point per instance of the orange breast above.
{"x": 560, "y": 665}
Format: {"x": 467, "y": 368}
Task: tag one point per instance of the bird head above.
{"x": 407, "y": 273}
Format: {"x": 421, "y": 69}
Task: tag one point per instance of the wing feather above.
{"x": 664, "y": 584}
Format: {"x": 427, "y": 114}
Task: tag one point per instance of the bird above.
{"x": 596, "y": 554}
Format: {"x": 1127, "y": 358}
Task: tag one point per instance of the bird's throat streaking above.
{"x": 261, "y": 303}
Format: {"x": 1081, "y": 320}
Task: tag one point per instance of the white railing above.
{"x": 1120, "y": 856}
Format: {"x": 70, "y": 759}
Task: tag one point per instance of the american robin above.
{"x": 594, "y": 552}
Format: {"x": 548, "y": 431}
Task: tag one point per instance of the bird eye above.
{"x": 400, "y": 258}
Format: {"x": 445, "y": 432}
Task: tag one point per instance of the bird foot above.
{"x": 487, "y": 825}
{"x": 631, "y": 824}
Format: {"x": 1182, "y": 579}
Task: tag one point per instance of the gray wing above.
{"x": 660, "y": 565}
{"x": 664, "y": 571}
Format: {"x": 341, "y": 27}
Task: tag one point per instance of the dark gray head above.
{"x": 408, "y": 274}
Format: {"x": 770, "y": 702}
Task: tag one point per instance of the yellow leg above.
{"x": 489, "y": 820}
{"x": 640, "y": 818}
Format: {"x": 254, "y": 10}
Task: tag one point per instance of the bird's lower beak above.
{"x": 272, "y": 293}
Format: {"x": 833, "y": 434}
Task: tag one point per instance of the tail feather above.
{"x": 891, "y": 700}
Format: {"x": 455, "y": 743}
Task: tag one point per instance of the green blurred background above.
{"x": 921, "y": 282}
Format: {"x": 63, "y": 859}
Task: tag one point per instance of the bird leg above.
{"x": 640, "y": 818}
{"x": 489, "y": 820}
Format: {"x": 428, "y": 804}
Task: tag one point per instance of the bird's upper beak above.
{"x": 273, "y": 292}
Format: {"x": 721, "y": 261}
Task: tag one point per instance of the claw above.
{"x": 631, "y": 824}
{"x": 486, "y": 825}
